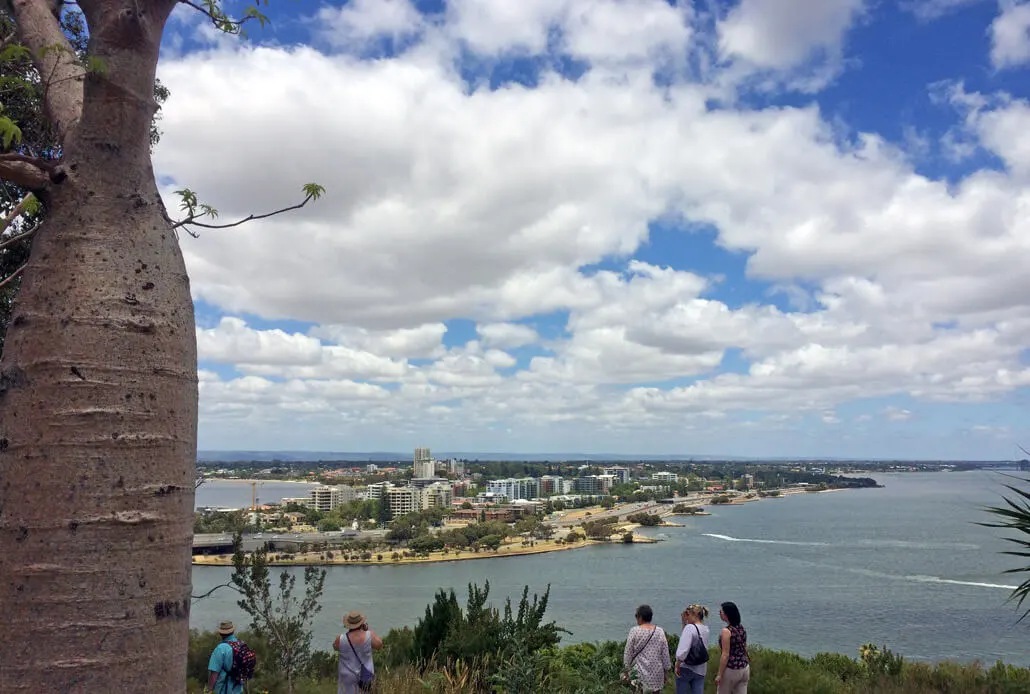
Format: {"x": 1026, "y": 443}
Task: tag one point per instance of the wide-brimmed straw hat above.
{"x": 226, "y": 628}
{"x": 353, "y": 620}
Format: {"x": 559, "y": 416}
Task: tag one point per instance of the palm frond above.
{"x": 1014, "y": 515}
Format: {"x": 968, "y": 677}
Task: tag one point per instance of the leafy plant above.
{"x": 1015, "y": 516}
{"x": 280, "y": 617}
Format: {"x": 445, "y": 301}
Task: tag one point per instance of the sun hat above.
{"x": 226, "y": 628}
{"x": 353, "y": 620}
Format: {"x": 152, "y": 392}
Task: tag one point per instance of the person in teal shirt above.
{"x": 221, "y": 663}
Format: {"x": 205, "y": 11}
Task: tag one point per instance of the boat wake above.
{"x": 919, "y": 578}
{"x": 727, "y": 538}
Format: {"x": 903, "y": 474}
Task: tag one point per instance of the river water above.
{"x": 904, "y": 565}
{"x": 237, "y": 493}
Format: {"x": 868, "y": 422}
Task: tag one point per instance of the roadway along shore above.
{"x": 336, "y": 557}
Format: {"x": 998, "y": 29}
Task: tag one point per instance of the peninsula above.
{"x": 457, "y": 510}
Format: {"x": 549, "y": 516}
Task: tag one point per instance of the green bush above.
{"x": 841, "y": 666}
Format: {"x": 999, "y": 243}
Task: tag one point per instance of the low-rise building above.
{"x": 665, "y": 477}
{"x": 515, "y": 488}
{"x": 375, "y": 491}
{"x": 607, "y": 482}
{"x": 550, "y": 485}
{"x": 587, "y": 485}
{"x": 327, "y": 498}
{"x": 620, "y": 473}
{"x": 403, "y": 500}
{"x": 438, "y": 495}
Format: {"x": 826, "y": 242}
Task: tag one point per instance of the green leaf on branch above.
{"x": 9, "y": 132}
{"x": 313, "y": 190}
{"x": 15, "y": 52}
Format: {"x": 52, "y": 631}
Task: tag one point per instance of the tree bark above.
{"x": 98, "y": 400}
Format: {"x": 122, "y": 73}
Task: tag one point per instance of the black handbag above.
{"x": 698, "y": 651}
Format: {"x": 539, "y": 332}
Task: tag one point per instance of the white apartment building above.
{"x": 665, "y": 477}
{"x": 375, "y": 491}
{"x": 371, "y": 468}
{"x": 515, "y": 488}
{"x": 438, "y": 495}
{"x": 619, "y": 472}
{"x": 403, "y": 500}
{"x": 327, "y": 498}
{"x": 457, "y": 467}
{"x": 423, "y": 465}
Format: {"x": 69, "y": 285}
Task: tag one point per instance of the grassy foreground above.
{"x": 594, "y": 668}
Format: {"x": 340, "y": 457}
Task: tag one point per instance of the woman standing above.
{"x": 647, "y": 651}
{"x": 355, "y": 670}
{"x": 734, "y": 665}
{"x": 690, "y": 679}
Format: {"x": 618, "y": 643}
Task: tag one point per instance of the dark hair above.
{"x": 645, "y": 613}
{"x": 732, "y": 613}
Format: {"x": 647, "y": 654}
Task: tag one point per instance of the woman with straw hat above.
{"x": 355, "y": 669}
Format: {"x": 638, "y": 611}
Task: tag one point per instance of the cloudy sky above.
{"x": 765, "y": 227}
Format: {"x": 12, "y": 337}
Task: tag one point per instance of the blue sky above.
{"x": 613, "y": 226}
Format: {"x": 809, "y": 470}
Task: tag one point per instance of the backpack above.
{"x": 698, "y": 652}
{"x": 244, "y": 661}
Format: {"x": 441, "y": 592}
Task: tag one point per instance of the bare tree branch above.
{"x": 40, "y": 30}
{"x": 55, "y": 172}
{"x": 23, "y": 175}
{"x": 18, "y": 209}
{"x": 191, "y": 220}
{"x": 10, "y": 278}
{"x": 20, "y": 237}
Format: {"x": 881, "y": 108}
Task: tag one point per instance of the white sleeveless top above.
{"x": 349, "y": 667}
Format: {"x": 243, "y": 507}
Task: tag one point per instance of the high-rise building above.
{"x": 457, "y": 467}
{"x": 423, "y": 466}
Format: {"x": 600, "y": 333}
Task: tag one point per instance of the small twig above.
{"x": 191, "y": 219}
{"x": 224, "y": 585}
{"x": 10, "y": 278}
{"x": 221, "y": 22}
{"x": 20, "y": 237}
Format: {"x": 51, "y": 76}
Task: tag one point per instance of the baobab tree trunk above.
{"x": 98, "y": 395}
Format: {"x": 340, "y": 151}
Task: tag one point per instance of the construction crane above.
{"x": 254, "y": 499}
{"x": 253, "y": 494}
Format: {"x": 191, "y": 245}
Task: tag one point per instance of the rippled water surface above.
{"x": 904, "y": 566}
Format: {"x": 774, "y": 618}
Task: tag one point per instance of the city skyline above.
{"x": 746, "y": 228}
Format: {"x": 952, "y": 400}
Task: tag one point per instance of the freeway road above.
{"x": 253, "y": 541}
